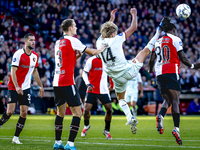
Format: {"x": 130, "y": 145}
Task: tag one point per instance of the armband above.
{"x": 192, "y": 66}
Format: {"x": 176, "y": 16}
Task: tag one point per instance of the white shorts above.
{"x": 131, "y": 97}
{"x": 121, "y": 83}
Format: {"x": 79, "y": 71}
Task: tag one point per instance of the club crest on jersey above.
{"x": 9, "y": 99}
{"x": 120, "y": 34}
{"x": 180, "y": 43}
{"x": 34, "y": 59}
{"x": 14, "y": 59}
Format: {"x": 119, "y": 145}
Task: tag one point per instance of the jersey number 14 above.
{"x": 109, "y": 56}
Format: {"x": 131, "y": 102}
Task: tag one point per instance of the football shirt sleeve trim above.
{"x": 15, "y": 66}
{"x": 84, "y": 49}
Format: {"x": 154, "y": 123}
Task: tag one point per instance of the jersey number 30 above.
{"x": 109, "y": 56}
{"x": 165, "y": 53}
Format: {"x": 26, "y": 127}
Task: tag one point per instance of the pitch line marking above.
{"x": 109, "y": 143}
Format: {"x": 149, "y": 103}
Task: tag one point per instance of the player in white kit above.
{"x": 131, "y": 95}
{"x": 114, "y": 62}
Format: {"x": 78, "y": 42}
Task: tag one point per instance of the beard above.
{"x": 30, "y": 47}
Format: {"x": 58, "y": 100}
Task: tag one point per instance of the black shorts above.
{"x": 91, "y": 98}
{"x": 168, "y": 81}
{"x": 14, "y": 97}
{"x": 67, "y": 94}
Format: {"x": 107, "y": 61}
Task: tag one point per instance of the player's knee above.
{"x": 10, "y": 112}
{"x": 86, "y": 113}
{"x": 23, "y": 114}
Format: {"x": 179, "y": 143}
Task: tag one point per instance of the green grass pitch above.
{"x": 38, "y": 134}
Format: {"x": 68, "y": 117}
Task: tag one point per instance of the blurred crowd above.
{"x": 43, "y": 19}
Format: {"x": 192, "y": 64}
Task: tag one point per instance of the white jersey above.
{"x": 133, "y": 84}
{"x": 114, "y": 62}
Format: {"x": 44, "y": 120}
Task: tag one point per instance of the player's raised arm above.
{"x": 133, "y": 26}
{"x": 92, "y": 51}
{"x": 112, "y": 15}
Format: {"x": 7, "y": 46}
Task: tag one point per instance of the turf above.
{"x": 38, "y": 134}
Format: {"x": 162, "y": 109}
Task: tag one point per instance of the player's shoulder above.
{"x": 91, "y": 58}
{"x": 35, "y": 53}
{"x": 19, "y": 52}
{"x": 174, "y": 37}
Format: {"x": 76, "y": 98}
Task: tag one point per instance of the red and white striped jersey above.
{"x": 26, "y": 64}
{"x": 166, "y": 49}
{"x": 65, "y": 60}
{"x": 96, "y": 75}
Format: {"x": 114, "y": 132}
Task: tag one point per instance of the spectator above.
{"x": 194, "y": 107}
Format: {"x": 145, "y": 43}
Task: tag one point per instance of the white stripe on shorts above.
{"x": 73, "y": 89}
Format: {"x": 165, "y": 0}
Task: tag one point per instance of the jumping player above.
{"x": 169, "y": 53}
{"x": 24, "y": 64}
{"x": 115, "y": 64}
{"x": 96, "y": 80}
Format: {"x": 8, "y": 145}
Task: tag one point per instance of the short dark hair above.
{"x": 66, "y": 24}
{"x": 167, "y": 24}
{"x": 26, "y": 37}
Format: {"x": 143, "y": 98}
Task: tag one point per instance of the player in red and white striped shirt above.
{"x": 67, "y": 50}
{"x": 24, "y": 64}
{"x": 169, "y": 53}
{"x": 96, "y": 80}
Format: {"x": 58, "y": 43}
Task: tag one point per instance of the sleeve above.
{"x": 88, "y": 65}
{"x": 77, "y": 45}
{"x": 139, "y": 78}
{"x": 178, "y": 44}
{"x": 121, "y": 37}
{"x": 85, "y": 78}
{"x": 111, "y": 82}
{"x": 16, "y": 60}
{"x": 153, "y": 49}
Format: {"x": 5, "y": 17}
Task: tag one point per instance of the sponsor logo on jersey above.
{"x": 120, "y": 34}
{"x": 24, "y": 66}
{"x": 98, "y": 68}
{"x": 60, "y": 72}
{"x": 14, "y": 59}
{"x": 180, "y": 43}
{"x": 34, "y": 59}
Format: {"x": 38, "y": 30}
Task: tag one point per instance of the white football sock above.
{"x": 16, "y": 137}
{"x": 151, "y": 43}
{"x": 70, "y": 143}
{"x": 177, "y": 128}
{"x": 58, "y": 142}
{"x": 125, "y": 109}
{"x": 134, "y": 111}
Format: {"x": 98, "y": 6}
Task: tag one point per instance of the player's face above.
{"x": 74, "y": 28}
{"x": 31, "y": 42}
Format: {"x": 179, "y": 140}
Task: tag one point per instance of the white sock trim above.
{"x": 70, "y": 143}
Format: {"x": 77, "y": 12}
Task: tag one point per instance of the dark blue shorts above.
{"x": 67, "y": 94}
{"x": 91, "y": 98}
{"x": 14, "y": 97}
{"x": 168, "y": 81}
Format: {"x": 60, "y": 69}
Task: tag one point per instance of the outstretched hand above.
{"x": 112, "y": 15}
{"x": 133, "y": 11}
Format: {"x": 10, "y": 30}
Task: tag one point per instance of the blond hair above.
{"x": 107, "y": 29}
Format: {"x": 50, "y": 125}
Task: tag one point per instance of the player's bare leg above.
{"x": 86, "y": 115}
{"x": 59, "y": 126}
{"x": 108, "y": 117}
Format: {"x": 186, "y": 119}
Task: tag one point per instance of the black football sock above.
{"x": 58, "y": 127}
{"x": 176, "y": 119}
{"x": 86, "y": 122}
{"x": 107, "y": 125}
{"x": 74, "y": 128}
{"x": 4, "y": 118}
{"x": 20, "y": 126}
{"x": 163, "y": 111}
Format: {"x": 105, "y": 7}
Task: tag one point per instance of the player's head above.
{"x": 29, "y": 40}
{"x": 69, "y": 27}
{"x": 168, "y": 26}
{"x": 108, "y": 30}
